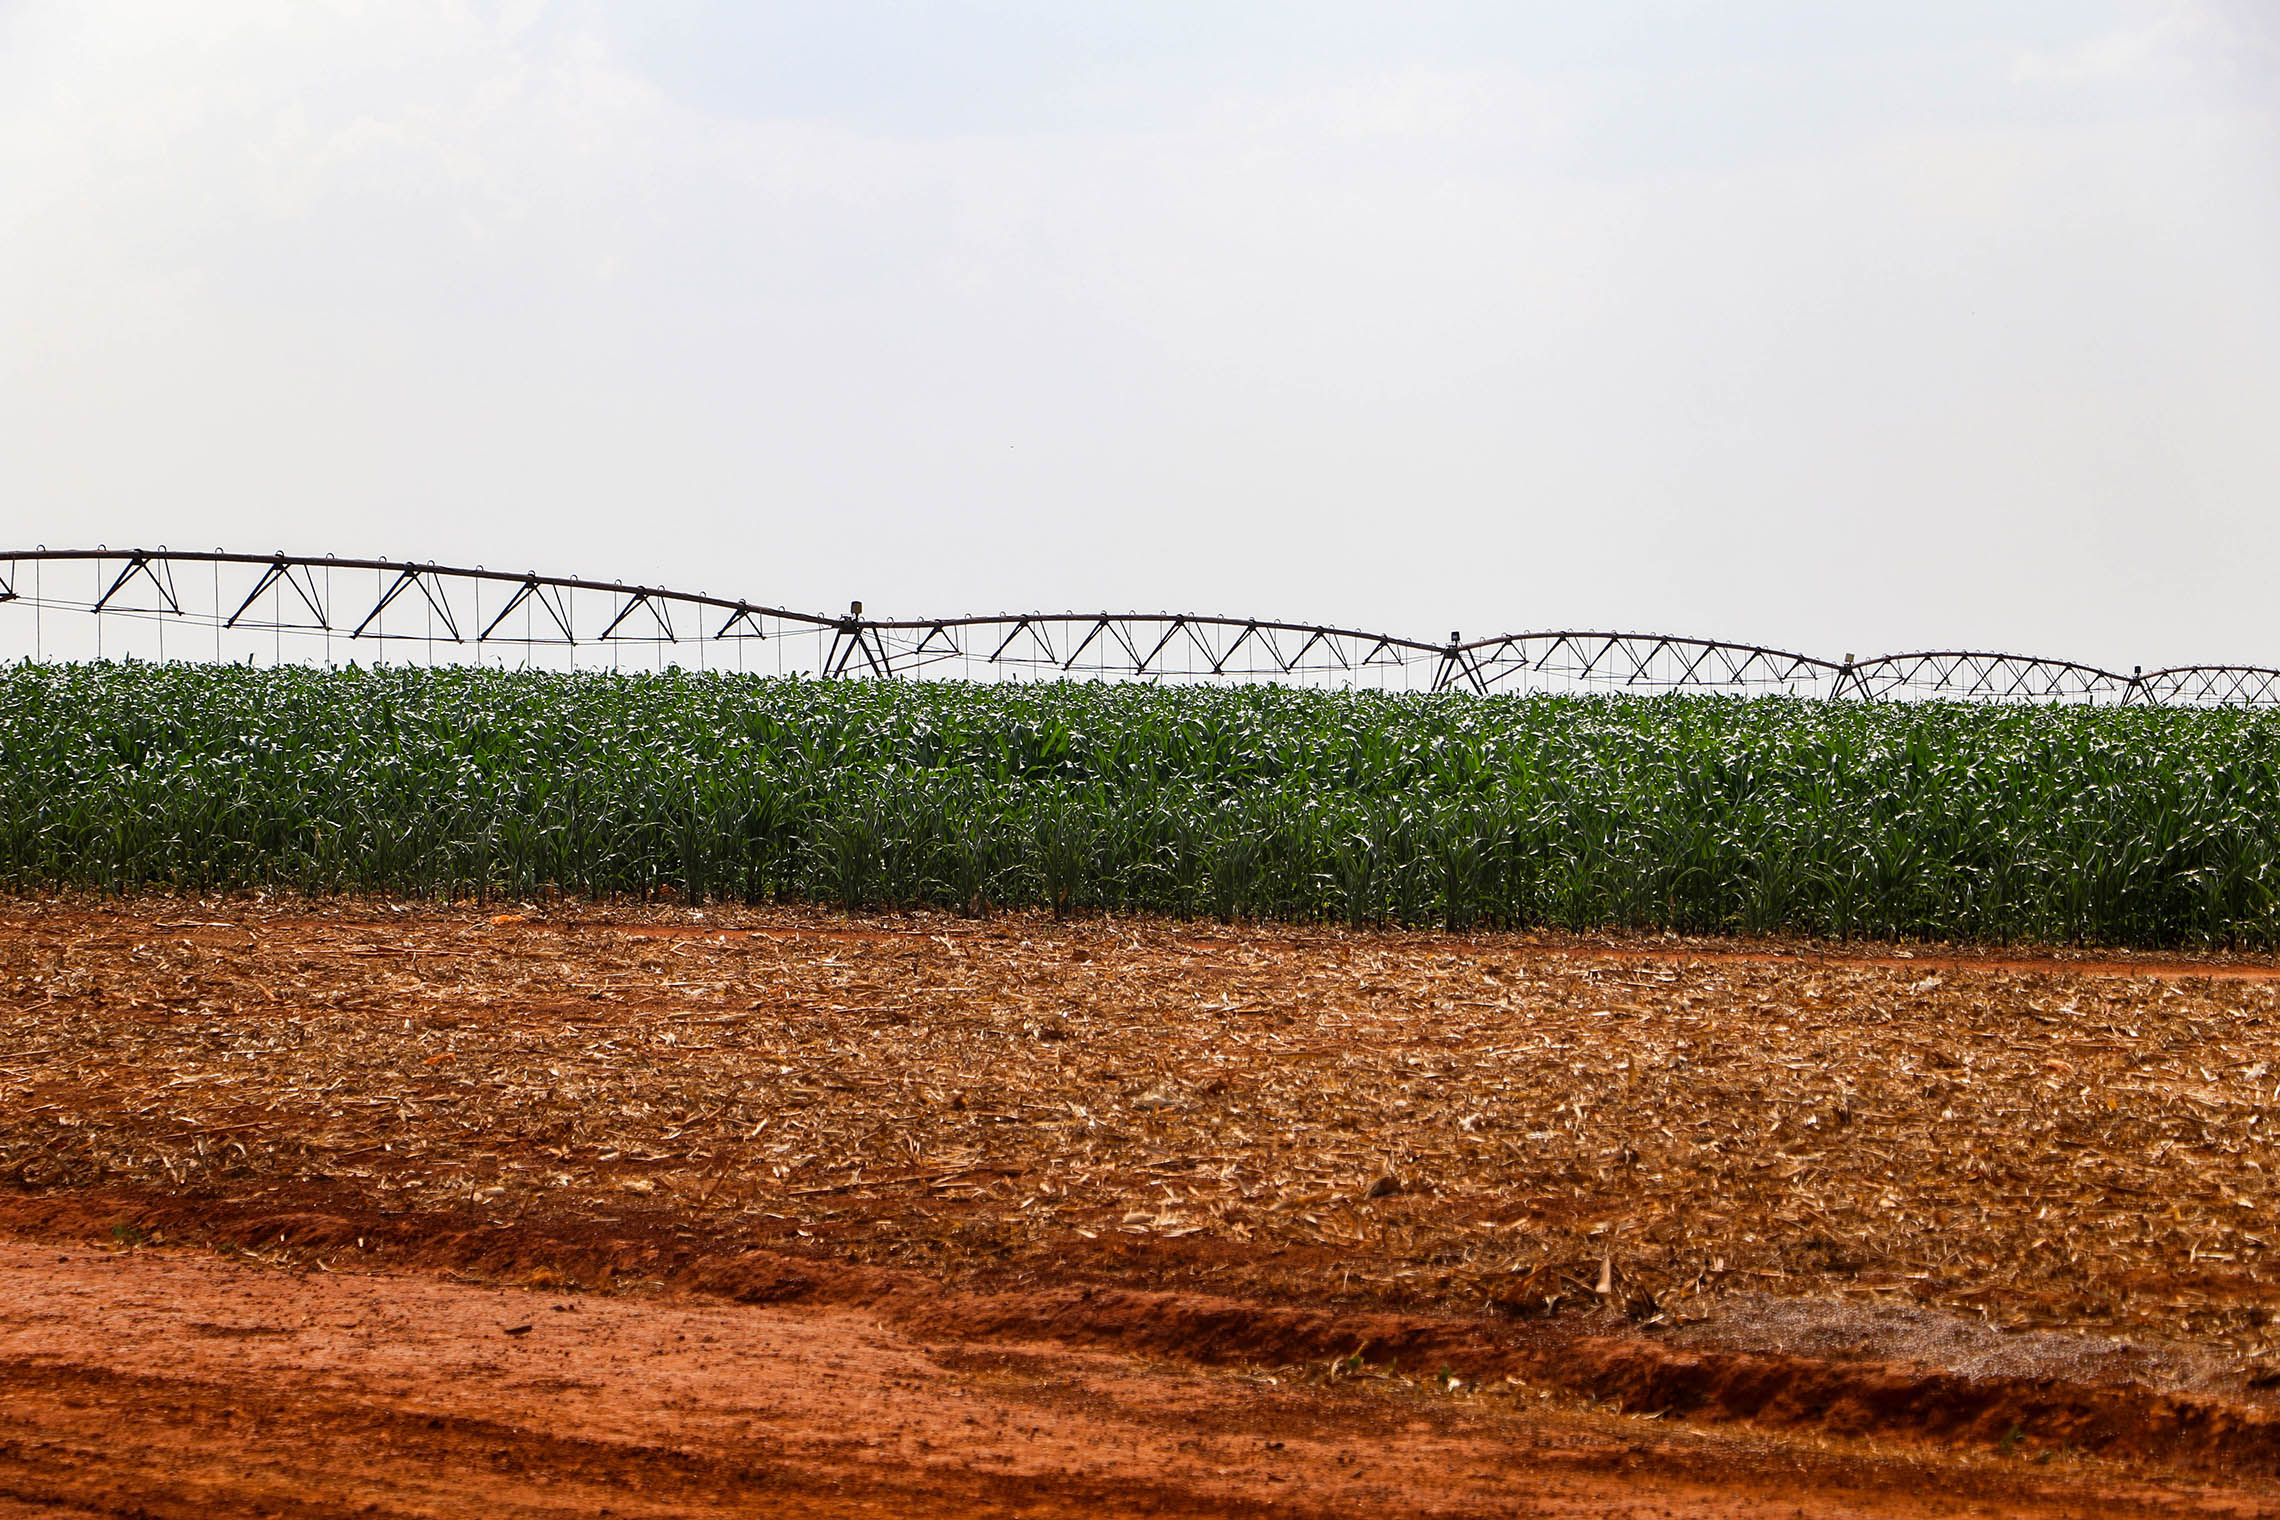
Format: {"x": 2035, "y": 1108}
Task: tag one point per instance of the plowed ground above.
{"x": 369, "y": 1208}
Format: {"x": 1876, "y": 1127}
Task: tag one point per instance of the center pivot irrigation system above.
{"x": 284, "y": 608}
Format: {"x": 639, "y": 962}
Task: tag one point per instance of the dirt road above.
{"x": 167, "y": 1384}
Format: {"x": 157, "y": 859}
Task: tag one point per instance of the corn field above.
{"x": 2125, "y": 826}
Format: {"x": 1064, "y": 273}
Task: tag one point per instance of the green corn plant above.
{"x": 1709, "y": 814}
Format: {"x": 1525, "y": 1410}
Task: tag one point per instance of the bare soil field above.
{"x": 320, "y": 1206}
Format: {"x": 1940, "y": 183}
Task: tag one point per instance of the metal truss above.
{"x": 2208, "y": 686}
{"x": 220, "y": 605}
{"x": 183, "y": 604}
{"x": 1143, "y": 645}
{"x": 1972, "y": 676}
{"x": 1640, "y": 661}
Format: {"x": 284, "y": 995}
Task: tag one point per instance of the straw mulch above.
{"x": 1413, "y": 1119}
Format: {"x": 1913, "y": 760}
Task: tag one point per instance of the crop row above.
{"x": 1705, "y": 814}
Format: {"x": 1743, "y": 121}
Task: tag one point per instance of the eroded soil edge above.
{"x": 1591, "y": 1355}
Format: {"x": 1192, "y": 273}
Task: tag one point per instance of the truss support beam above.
{"x": 639, "y": 600}
{"x": 148, "y": 567}
{"x": 532, "y": 592}
{"x": 746, "y": 616}
{"x": 285, "y": 572}
{"x": 407, "y": 578}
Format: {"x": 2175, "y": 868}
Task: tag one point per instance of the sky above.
{"x": 1868, "y": 327}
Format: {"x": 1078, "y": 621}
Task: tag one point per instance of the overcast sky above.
{"x": 1860, "y": 327}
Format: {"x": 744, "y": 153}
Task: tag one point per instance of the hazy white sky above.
{"x": 1863, "y": 326}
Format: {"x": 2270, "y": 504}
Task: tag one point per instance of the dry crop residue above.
{"x": 1635, "y": 1136}
{"x": 1400, "y": 1120}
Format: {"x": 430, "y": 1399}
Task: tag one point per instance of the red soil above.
{"x": 220, "y": 1296}
{"x": 725, "y": 1381}
{"x": 168, "y": 1384}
